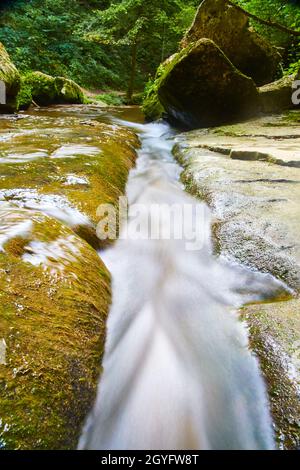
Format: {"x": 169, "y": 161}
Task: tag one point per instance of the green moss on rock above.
{"x": 68, "y": 91}
{"x": 275, "y": 338}
{"x": 42, "y": 88}
{"x": 104, "y": 171}
{"x": 55, "y": 294}
{"x": 45, "y": 90}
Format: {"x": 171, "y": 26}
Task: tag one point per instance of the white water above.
{"x": 178, "y": 373}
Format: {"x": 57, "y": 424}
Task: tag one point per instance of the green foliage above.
{"x": 294, "y": 67}
{"x": 43, "y": 35}
{"x": 24, "y": 98}
{"x": 157, "y": 25}
{"x": 286, "y": 13}
{"x": 89, "y": 40}
{"x": 112, "y": 99}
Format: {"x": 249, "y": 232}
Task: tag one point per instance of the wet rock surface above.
{"x": 249, "y": 175}
{"x": 56, "y": 165}
{"x": 64, "y": 163}
{"x": 273, "y": 139}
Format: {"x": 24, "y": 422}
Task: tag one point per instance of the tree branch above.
{"x": 270, "y": 23}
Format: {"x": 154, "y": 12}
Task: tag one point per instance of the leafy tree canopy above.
{"x": 119, "y": 43}
{"x": 151, "y": 29}
{"x": 58, "y": 37}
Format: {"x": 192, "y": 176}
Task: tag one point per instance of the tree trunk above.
{"x": 130, "y": 89}
{"x": 163, "y": 44}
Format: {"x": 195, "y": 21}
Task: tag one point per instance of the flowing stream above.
{"x": 177, "y": 370}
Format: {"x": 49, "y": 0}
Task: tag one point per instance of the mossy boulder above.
{"x": 277, "y": 96}
{"x": 10, "y": 78}
{"x": 45, "y": 90}
{"x": 42, "y": 88}
{"x": 68, "y": 91}
{"x": 199, "y": 87}
{"x": 229, "y": 28}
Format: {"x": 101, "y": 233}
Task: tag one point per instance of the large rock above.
{"x": 229, "y": 28}
{"x": 45, "y": 90}
{"x": 11, "y": 79}
{"x": 68, "y": 91}
{"x": 277, "y": 96}
{"x": 199, "y": 87}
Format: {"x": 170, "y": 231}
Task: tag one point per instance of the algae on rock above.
{"x": 275, "y": 338}
{"x": 55, "y": 294}
{"x": 212, "y": 80}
